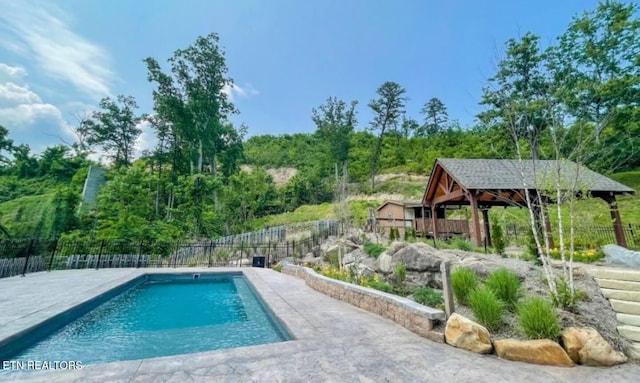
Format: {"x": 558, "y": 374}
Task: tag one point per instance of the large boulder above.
{"x": 542, "y": 351}
{"x": 419, "y": 257}
{"x": 355, "y": 256}
{"x": 334, "y": 248}
{"x": 586, "y": 346}
{"x": 384, "y": 264}
{"x": 466, "y": 334}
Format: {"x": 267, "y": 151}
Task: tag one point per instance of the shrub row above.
{"x": 502, "y": 291}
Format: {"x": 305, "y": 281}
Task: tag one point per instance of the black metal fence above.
{"x": 31, "y": 255}
{"x": 586, "y": 236}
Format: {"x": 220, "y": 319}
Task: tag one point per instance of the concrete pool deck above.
{"x": 335, "y": 342}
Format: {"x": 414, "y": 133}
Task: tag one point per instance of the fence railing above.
{"x": 585, "y": 236}
{"x": 21, "y": 256}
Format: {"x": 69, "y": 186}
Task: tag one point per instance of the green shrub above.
{"x": 538, "y": 320}
{"x": 399, "y": 276}
{"x": 463, "y": 281}
{"x": 486, "y": 307}
{"x": 497, "y": 237}
{"x": 461, "y": 244}
{"x": 382, "y": 286}
{"x": 400, "y": 273}
{"x": 428, "y": 297}
{"x": 277, "y": 268}
{"x": 532, "y": 247}
{"x": 373, "y": 249}
{"x": 565, "y": 299}
{"x": 506, "y": 285}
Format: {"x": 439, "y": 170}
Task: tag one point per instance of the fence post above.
{"x": 139, "y": 254}
{"x": 447, "y": 291}
{"x": 211, "y": 251}
{"x": 175, "y": 257}
{"x": 53, "y": 253}
{"x": 26, "y": 261}
{"x": 100, "y": 254}
{"x": 241, "y": 251}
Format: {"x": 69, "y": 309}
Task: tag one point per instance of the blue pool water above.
{"x": 164, "y": 315}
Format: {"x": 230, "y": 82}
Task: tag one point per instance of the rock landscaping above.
{"x": 585, "y": 334}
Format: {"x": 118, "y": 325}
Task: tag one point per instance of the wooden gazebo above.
{"x": 484, "y": 183}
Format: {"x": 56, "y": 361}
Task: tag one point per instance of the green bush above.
{"x": 497, "y": 237}
{"x": 400, "y": 273}
{"x": 463, "y": 281}
{"x": 461, "y": 244}
{"x": 373, "y": 249}
{"x": 486, "y": 307}
{"x": 506, "y": 285}
{"x": 565, "y": 299}
{"x": 538, "y": 319}
{"x": 428, "y": 297}
{"x": 380, "y": 285}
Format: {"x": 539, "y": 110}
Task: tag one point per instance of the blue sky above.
{"x": 59, "y": 58}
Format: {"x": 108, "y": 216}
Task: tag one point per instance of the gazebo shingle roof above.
{"x": 513, "y": 174}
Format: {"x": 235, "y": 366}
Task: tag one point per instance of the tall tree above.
{"x": 388, "y": 110}
{"x": 194, "y": 99}
{"x": 114, "y": 128}
{"x": 335, "y": 122}
{"x": 6, "y": 145}
{"x": 596, "y": 64}
{"x": 517, "y": 94}
{"x": 435, "y": 116}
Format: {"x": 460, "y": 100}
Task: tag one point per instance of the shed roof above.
{"x": 401, "y": 203}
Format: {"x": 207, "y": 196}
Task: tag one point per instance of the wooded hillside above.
{"x": 577, "y": 99}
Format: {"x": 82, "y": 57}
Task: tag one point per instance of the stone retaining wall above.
{"x": 407, "y": 313}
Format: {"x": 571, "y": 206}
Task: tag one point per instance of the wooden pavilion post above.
{"x": 475, "y": 218}
{"x": 487, "y": 228}
{"x": 424, "y": 221}
{"x": 434, "y": 221}
{"x": 615, "y": 216}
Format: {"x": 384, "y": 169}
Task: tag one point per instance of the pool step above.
{"x": 618, "y": 285}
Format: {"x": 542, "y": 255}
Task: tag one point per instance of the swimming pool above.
{"x": 154, "y": 315}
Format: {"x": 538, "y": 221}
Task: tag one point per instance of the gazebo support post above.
{"x": 547, "y": 227}
{"x": 615, "y": 216}
{"x": 475, "y": 218}
{"x": 424, "y": 222}
{"x": 487, "y": 226}
{"x": 434, "y": 222}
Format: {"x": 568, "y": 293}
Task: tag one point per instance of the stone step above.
{"x": 621, "y": 295}
{"x": 618, "y": 285}
{"x": 621, "y": 274}
{"x": 630, "y": 332}
{"x": 625, "y": 306}
{"x": 633, "y": 351}
{"x": 629, "y": 319}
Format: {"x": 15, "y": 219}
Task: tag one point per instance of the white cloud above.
{"x": 40, "y": 31}
{"x": 16, "y": 94}
{"x": 12, "y": 71}
{"x": 236, "y": 91}
{"x": 26, "y": 114}
{"x": 147, "y": 139}
{"x": 20, "y": 107}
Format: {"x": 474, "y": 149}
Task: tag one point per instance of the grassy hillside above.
{"x": 28, "y": 216}
{"x": 631, "y": 179}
